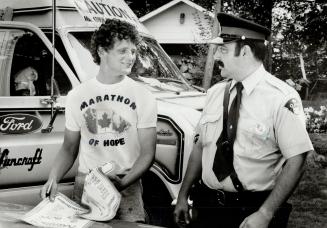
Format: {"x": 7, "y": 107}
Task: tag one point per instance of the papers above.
{"x": 60, "y": 213}
{"x": 100, "y": 195}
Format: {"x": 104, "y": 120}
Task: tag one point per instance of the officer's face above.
{"x": 226, "y": 59}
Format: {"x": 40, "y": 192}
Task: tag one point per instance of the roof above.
{"x": 169, "y": 5}
{"x": 39, "y": 4}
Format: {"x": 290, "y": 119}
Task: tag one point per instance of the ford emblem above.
{"x": 19, "y": 123}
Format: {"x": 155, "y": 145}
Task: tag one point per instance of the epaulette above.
{"x": 280, "y": 85}
{"x": 225, "y": 80}
{"x": 219, "y": 85}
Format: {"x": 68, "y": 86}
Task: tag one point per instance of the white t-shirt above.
{"x": 108, "y": 117}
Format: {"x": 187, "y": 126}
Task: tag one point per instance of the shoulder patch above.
{"x": 293, "y": 105}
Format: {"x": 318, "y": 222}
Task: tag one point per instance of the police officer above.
{"x": 251, "y": 139}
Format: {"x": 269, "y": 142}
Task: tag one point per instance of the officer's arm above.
{"x": 193, "y": 173}
{"x": 147, "y": 138}
{"x": 285, "y": 185}
{"x": 292, "y": 139}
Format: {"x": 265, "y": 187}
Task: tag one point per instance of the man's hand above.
{"x": 181, "y": 213}
{"x": 117, "y": 181}
{"x": 259, "y": 219}
{"x": 50, "y": 189}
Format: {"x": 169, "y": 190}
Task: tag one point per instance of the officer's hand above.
{"x": 256, "y": 220}
{"x": 49, "y": 189}
{"x": 181, "y": 213}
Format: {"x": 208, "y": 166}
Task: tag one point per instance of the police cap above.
{"x": 235, "y": 28}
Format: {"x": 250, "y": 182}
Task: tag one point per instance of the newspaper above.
{"x": 100, "y": 195}
{"x": 62, "y": 212}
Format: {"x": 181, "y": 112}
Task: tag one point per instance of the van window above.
{"x": 152, "y": 67}
{"x": 60, "y": 48}
{"x": 26, "y": 66}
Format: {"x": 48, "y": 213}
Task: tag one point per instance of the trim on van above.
{"x": 174, "y": 177}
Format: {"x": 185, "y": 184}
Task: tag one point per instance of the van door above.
{"x": 27, "y": 150}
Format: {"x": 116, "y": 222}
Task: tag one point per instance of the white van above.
{"x": 32, "y": 126}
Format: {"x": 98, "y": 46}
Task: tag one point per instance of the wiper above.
{"x": 199, "y": 88}
{"x": 180, "y": 82}
{"x": 170, "y": 80}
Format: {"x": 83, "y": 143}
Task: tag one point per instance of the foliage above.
{"x": 316, "y": 120}
{"x": 298, "y": 28}
{"x": 310, "y": 198}
{"x": 192, "y": 67}
{"x": 258, "y": 11}
{"x": 142, "y": 7}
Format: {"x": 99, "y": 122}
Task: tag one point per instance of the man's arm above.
{"x": 147, "y": 138}
{"x": 62, "y": 163}
{"x": 193, "y": 173}
{"x": 285, "y": 185}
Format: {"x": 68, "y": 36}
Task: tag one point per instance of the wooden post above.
{"x": 206, "y": 82}
{"x": 304, "y": 76}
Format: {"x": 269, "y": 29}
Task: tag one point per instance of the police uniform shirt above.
{"x": 271, "y": 128}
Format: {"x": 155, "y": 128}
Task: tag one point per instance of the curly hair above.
{"x": 109, "y": 32}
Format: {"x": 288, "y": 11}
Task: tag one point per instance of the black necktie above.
{"x": 223, "y": 163}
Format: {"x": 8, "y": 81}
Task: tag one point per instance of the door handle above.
{"x": 49, "y": 101}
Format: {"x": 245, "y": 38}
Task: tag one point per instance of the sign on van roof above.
{"x": 94, "y": 12}
{"x": 97, "y": 11}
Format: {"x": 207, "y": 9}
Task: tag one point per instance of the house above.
{"x": 179, "y": 24}
{"x": 182, "y": 28}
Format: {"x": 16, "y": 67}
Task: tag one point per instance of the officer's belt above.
{"x": 203, "y": 196}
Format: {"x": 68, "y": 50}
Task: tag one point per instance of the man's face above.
{"x": 120, "y": 59}
{"x": 228, "y": 62}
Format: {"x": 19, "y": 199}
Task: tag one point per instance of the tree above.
{"x": 143, "y": 7}
{"x": 259, "y": 11}
{"x": 299, "y": 30}
{"x": 208, "y": 70}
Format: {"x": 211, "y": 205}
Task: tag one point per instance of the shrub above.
{"x": 316, "y": 120}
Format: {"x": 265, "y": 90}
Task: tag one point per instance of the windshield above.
{"x": 152, "y": 67}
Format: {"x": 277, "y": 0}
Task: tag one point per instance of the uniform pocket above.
{"x": 211, "y": 128}
{"x": 255, "y": 136}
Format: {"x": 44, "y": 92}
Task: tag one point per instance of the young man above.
{"x": 252, "y": 146}
{"x": 110, "y": 118}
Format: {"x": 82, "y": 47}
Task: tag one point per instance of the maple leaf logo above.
{"x": 105, "y": 121}
{"x": 91, "y": 121}
{"x": 121, "y": 125}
